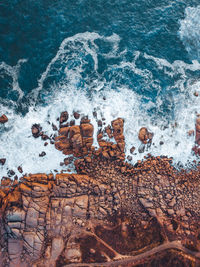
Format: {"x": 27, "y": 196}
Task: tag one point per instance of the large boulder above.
{"x": 3, "y": 119}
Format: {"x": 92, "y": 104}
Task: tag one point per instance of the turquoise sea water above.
{"x": 143, "y": 56}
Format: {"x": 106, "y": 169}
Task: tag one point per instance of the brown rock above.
{"x": 87, "y": 129}
{"x": 145, "y": 136}
{"x": 36, "y": 129}
{"x": 64, "y": 116}
{"x": 3, "y": 119}
{"x": 20, "y": 169}
{"x": 2, "y": 161}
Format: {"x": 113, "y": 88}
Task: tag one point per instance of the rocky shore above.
{"x": 108, "y": 213}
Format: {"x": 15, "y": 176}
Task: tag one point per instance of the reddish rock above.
{"x": 36, "y": 129}
{"x": 145, "y": 136}
{"x": 197, "y": 130}
{"x": 2, "y": 161}
{"x": 87, "y": 129}
{"x": 64, "y": 117}
{"x": 109, "y": 131}
{"x": 3, "y": 119}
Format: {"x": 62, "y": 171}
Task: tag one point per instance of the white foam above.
{"x": 13, "y": 72}
{"x": 109, "y": 99}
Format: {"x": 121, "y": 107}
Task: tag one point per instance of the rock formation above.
{"x": 109, "y": 213}
{"x": 3, "y": 119}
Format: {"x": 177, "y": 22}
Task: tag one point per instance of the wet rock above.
{"x": 2, "y": 161}
{"x": 141, "y": 148}
{"x": 46, "y": 143}
{"x": 145, "y": 136}
{"x": 44, "y": 137}
{"x": 72, "y": 122}
{"x": 132, "y": 149}
{"x": 54, "y": 127}
{"x": 11, "y": 173}
{"x": 129, "y": 158}
{"x": 100, "y": 124}
{"x": 94, "y": 114}
{"x": 64, "y": 117}
{"x": 3, "y": 119}
{"x": 42, "y": 154}
{"x": 36, "y": 129}
{"x": 76, "y": 115}
{"x": 20, "y": 169}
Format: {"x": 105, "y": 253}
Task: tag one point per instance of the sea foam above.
{"x": 73, "y": 81}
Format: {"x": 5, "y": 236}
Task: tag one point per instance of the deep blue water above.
{"x": 34, "y": 30}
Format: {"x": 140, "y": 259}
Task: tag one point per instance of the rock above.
{"x": 54, "y": 127}
{"x": 94, "y": 114}
{"x": 36, "y": 129}
{"x": 196, "y": 93}
{"x": 76, "y": 115}
{"x": 129, "y": 158}
{"x": 3, "y": 119}
{"x": 100, "y": 124}
{"x": 197, "y": 130}
{"x": 20, "y": 169}
{"x": 2, "y": 161}
{"x": 64, "y": 117}
{"x": 145, "y": 136}
{"x": 44, "y": 137}
{"x": 46, "y": 143}
{"x": 141, "y": 148}
{"x": 68, "y": 160}
{"x": 161, "y": 143}
{"x": 191, "y": 132}
{"x": 11, "y": 173}
{"x": 72, "y": 122}
{"x": 132, "y": 149}
{"x": 42, "y": 154}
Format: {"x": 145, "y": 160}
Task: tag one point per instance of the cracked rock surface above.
{"x": 109, "y": 213}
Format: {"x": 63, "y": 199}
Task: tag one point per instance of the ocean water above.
{"x": 139, "y": 60}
